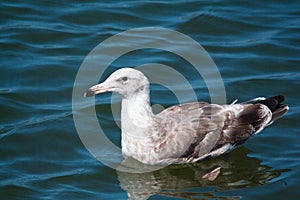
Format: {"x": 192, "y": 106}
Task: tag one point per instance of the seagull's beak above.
{"x": 97, "y": 89}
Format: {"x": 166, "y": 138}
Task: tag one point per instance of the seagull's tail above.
{"x": 274, "y": 104}
{"x": 277, "y": 108}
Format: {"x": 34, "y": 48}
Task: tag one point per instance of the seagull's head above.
{"x": 125, "y": 81}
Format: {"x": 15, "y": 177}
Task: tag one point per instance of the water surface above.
{"x": 43, "y": 43}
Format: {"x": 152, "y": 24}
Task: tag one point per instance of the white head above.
{"x": 125, "y": 81}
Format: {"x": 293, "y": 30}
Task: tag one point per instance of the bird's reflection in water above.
{"x": 185, "y": 181}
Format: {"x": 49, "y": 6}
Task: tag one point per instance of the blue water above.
{"x": 255, "y": 46}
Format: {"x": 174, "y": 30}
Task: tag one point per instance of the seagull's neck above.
{"x": 136, "y": 113}
{"x": 140, "y": 127}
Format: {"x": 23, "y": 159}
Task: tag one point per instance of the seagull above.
{"x": 183, "y": 133}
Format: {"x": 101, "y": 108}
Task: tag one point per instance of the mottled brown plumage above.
{"x": 235, "y": 123}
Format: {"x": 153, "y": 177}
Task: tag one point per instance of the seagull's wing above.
{"x": 199, "y": 130}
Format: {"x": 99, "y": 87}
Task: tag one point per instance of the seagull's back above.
{"x": 198, "y": 130}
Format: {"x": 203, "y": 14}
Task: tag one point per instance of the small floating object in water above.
{"x": 211, "y": 176}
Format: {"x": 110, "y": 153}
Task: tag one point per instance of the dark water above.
{"x": 256, "y": 46}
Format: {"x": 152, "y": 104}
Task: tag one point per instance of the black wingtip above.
{"x": 273, "y": 103}
{"x": 279, "y": 98}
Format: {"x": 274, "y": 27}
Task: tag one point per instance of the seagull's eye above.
{"x": 124, "y": 79}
